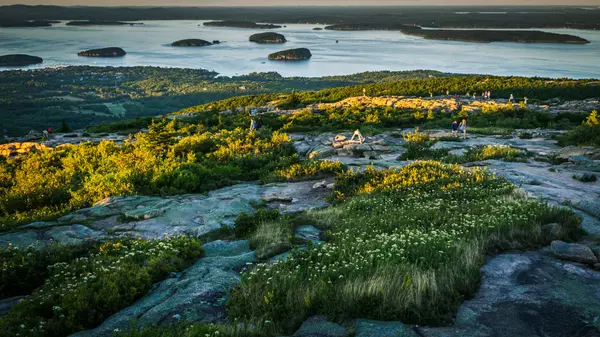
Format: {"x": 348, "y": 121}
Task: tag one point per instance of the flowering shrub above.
{"x": 403, "y": 245}
{"x": 49, "y": 183}
{"x": 81, "y": 293}
{"x": 24, "y": 269}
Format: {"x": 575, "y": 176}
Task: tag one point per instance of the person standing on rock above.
{"x": 463, "y": 128}
{"x": 455, "y": 128}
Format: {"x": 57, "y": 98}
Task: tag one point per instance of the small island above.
{"x": 101, "y": 23}
{"x": 241, "y": 24}
{"x": 103, "y": 52}
{"x": 317, "y": 28}
{"x": 191, "y": 43}
{"x": 268, "y": 37}
{"x": 18, "y": 24}
{"x": 487, "y": 36}
{"x": 291, "y": 55}
{"x": 19, "y": 60}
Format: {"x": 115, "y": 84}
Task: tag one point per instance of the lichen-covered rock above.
{"x": 573, "y": 252}
{"x": 318, "y": 326}
{"x": 528, "y": 294}
{"x": 367, "y": 328}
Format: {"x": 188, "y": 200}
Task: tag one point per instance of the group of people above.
{"x": 462, "y": 127}
{"x": 485, "y": 95}
{"x": 47, "y": 133}
{"x": 256, "y": 121}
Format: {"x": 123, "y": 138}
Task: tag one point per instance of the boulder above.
{"x": 321, "y": 152}
{"x": 573, "y": 252}
{"x": 367, "y": 328}
{"x": 320, "y": 184}
{"x": 318, "y": 326}
{"x": 566, "y": 153}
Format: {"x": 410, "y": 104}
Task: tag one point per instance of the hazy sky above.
{"x": 297, "y": 2}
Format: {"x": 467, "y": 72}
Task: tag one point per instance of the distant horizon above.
{"x": 303, "y": 3}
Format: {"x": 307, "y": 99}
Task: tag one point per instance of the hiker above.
{"x": 259, "y": 122}
{"x": 511, "y": 99}
{"x": 455, "y": 128}
{"x": 5, "y": 133}
{"x": 50, "y": 130}
{"x": 525, "y": 100}
{"x": 253, "y": 124}
{"x": 463, "y": 127}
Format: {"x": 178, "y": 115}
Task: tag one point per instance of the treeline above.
{"x": 500, "y": 86}
{"x": 41, "y": 98}
{"x": 437, "y": 16}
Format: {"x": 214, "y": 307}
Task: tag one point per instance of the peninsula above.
{"x": 487, "y": 36}
{"x": 27, "y": 23}
{"x": 103, "y": 52}
{"x": 241, "y": 24}
{"x": 101, "y": 23}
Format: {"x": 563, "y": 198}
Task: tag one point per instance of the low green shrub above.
{"x": 25, "y": 269}
{"x": 525, "y": 135}
{"x": 588, "y": 133}
{"x": 308, "y": 169}
{"x": 586, "y": 177}
{"x": 82, "y": 293}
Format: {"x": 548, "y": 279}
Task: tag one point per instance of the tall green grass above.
{"x": 403, "y": 245}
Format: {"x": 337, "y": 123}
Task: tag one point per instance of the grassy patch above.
{"x": 82, "y": 293}
{"x": 403, "y": 245}
{"x": 272, "y": 237}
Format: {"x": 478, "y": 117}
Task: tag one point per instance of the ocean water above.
{"x": 149, "y": 44}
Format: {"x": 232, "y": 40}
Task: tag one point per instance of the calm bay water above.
{"x": 356, "y": 51}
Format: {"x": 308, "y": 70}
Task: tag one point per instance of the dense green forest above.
{"x": 383, "y": 16}
{"x": 84, "y": 96}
